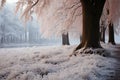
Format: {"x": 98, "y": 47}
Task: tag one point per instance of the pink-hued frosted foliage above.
{"x": 114, "y": 13}
{"x": 61, "y": 16}
{"x": 2, "y": 2}
{"x": 55, "y": 16}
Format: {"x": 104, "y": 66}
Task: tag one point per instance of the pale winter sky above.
{"x": 11, "y": 1}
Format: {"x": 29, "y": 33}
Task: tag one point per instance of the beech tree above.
{"x": 102, "y": 31}
{"x": 111, "y": 21}
{"x": 103, "y": 24}
{"x": 92, "y": 11}
{"x": 65, "y": 14}
{"x": 60, "y": 16}
{"x": 111, "y": 33}
{"x": 111, "y": 38}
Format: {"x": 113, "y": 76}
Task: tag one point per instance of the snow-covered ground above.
{"x": 53, "y": 63}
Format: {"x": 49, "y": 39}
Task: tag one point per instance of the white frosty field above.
{"x": 53, "y": 63}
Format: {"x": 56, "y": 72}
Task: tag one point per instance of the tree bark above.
{"x": 80, "y": 38}
{"x": 92, "y": 10}
{"x": 102, "y": 34}
{"x": 111, "y": 34}
{"x": 65, "y": 39}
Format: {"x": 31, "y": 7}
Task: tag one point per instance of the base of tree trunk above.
{"x": 91, "y": 46}
{"x": 113, "y": 43}
{"x": 83, "y": 51}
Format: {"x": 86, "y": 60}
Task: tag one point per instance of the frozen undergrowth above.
{"x": 53, "y": 63}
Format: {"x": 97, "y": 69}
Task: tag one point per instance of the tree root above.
{"x": 99, "y": 51}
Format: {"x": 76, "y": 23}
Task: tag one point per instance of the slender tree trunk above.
{"x": 65, "y": 39}
{"x": 111, "y": 34}
{"x": 92, "y": 11}
{"x": 102, "y": 36}
{"x": 2, "y": 40}
{"x": 80, "y": 38}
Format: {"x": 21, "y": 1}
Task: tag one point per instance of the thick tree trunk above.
{"x": 111, "y": 34}
{"x": 92, "y": 11}
{"x": 65, "y": 39}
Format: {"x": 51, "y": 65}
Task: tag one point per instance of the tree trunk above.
{"x": 92, "y": 11}
{"x": 111, "y": 34}
{"x": 65, "y": 39}
{"x": 80, "y": 38}
{"x": 102, "y": 36}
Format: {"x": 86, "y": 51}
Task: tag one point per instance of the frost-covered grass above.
{"x": 53, "y": 63}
